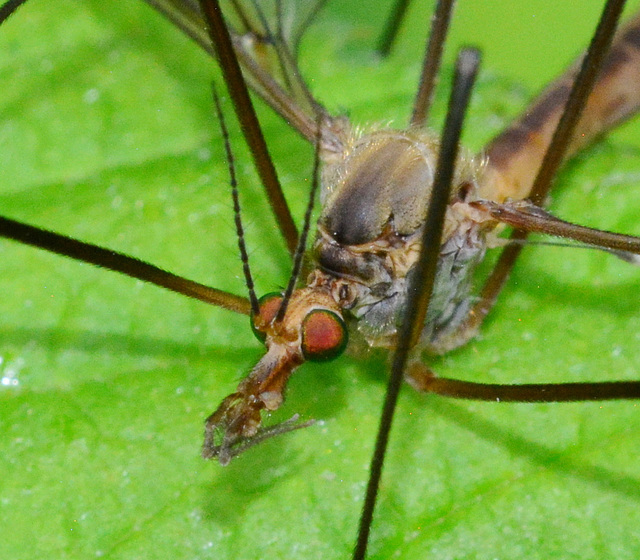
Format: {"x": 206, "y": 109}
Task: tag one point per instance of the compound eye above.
{"x": 269, "y": 305}
{"x": 324, "y": 336}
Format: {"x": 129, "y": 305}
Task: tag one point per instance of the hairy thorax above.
{"x": 375, "y": 199}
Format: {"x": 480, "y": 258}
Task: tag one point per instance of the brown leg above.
{"x": 421, "y": 378}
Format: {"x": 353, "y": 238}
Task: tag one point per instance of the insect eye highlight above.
{"x": 324, "y": 336}
{"x": 269, "y": 305}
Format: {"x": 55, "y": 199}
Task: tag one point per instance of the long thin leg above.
{"x": 390, "y": 31}
{"x": 421, "y": 378}
{"x": 8, "y": 8}
{"x": 431, "y": 62}
{"x": 118, "y": 262}
{"x": 558, "y": 146}
{"x": 249, "y": 121}
{"x": 422, "y": 284}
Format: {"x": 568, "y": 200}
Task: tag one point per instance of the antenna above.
{"x": 302, "y": 243}
{"x": 248, "y": 120}
{"x": 244, "y": 257}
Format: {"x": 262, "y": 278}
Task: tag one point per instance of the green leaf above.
{"x": 107, "y": 134}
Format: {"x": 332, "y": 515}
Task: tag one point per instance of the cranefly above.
{"x": 365, "y": 266}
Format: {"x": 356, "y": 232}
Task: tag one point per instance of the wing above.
{"x": 266, "y": 38}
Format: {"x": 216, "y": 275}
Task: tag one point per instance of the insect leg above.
{"x": 422, "y": 284}
{"x": 516, "y": 155}
{"x": 421, "y": 378}
{"x": 248, "y": 120}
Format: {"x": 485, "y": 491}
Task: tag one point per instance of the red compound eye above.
{"x": 269, "y": 305}
{"x": 324, "y": 336}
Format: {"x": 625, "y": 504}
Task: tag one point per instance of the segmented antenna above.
{"x": 421, "y": 287}
{"x": 302, "y": 243}
{"x": 248, "y": 120}
{"x": 431, "y": 62}
{"x": 244, "y": 256}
